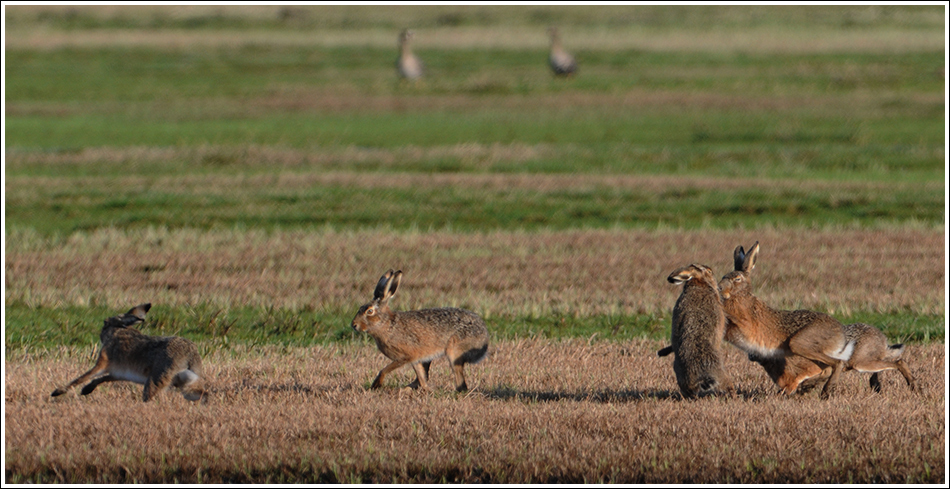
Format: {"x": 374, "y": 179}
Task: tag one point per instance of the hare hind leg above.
{"x": 879, "y": 366}
{"x": 191, "y": 385}
{"x": 815, "y": 342}
{"x": 458, "y": 358}
{"x": 156, "y": 384}
{"x": 902, "y": 368}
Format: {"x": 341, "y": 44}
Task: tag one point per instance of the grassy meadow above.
{"x": 253, "y": 171}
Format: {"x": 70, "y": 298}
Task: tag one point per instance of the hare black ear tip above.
{"x": 147, "y": 306}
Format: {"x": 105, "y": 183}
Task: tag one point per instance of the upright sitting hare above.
{"x": 697, "y": 331}
{"x": 775, "y": 338}
{"x": 870, "y": 353}
{"x": 418, "y": 337}
{"x": 156, "y": 361}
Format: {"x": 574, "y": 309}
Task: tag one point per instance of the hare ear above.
{"x": 738, "y": 256}
{"x": 140, "y": 310}
{"x": 394, "y": 284}
{"x": 749, "y": 262}
{"x": 680, "y": 276}
{"x": 382, "y": 285}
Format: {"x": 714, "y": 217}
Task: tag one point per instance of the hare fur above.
{"x": 418, "y": 337}
{"x": 775, "y": 338}
{"x": 155, "y": 361}
{"x": 698, "y": 327}
{"x": 870, "y": 353}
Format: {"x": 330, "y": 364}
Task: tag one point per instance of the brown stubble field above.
{"x": 575, "y": 272}
{"x": 539, "y": 411}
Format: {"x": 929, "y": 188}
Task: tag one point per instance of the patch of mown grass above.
{"x": 214, "y": 327}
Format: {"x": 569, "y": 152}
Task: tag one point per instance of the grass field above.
{"x": 252, "y": 171}
{"x": 539, "y": 411}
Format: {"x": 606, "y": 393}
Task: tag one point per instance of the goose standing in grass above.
{"x": 409, "y": 65}
{"x": 561, "y": 61}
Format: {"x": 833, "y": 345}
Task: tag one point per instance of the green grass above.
{"x": 132, "y": 75}
{"x": 48, "y": 328}
{"x": 843, "y": 132}
{"x": 64, "y": 210}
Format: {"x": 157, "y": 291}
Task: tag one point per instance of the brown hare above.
{"x": 870, "y": 353}
{"x": 155, "y": 361}
{"x": 697, "y": 330}
{"x": 408, "y": 64}
{"x": 774, "y": 338}
{"x": 418, "y": 337}
{"x": 562, "y": 63}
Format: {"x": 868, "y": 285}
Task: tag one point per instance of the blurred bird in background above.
{"x": 409, "y": 65}
{"x": 561, "y": 61}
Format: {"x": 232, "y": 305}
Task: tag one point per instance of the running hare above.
{"x": 418, "y": 337}
{"x": 777, "y": 338}
{"x": 869, "y": 352}
{"x": 156, "y": 361}
{"x": 697, "y": 331}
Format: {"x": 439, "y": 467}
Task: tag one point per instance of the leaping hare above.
{"x": 155, "y": 361}
{"x": 697, "y": 330}
{"x": 418, "y": 337}
{"x": 772, "y": 337}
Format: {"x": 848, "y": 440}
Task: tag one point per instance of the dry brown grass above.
{"x": 770, "y": 39}
{"x": 598, "y": 271}
{"x": 540, "y": 411}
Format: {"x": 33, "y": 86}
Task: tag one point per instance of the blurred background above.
{"x": 277, "y": 158}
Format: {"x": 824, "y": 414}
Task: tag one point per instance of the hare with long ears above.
{"x": 698, "y": 327}
{"x": 155, "y": 361}
{"x": 418, "y": 337}
{"x": 870, "y": 353}
{"x": 768, "y": 334}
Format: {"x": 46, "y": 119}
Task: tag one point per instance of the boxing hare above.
{"x": 698, "y": 327}
{"x": 418, "y": 337}
{"x": 776, "y": 338}
{"x": 155, "y": 361}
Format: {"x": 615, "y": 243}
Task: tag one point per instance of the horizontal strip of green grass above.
{"x": 50, "y": 328}
{"x": 57, "y": 209}
{"x": 247, "y": 72}
{"x": 672, "y": 126}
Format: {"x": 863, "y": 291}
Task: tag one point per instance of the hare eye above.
{"x": 371, "y": 311}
